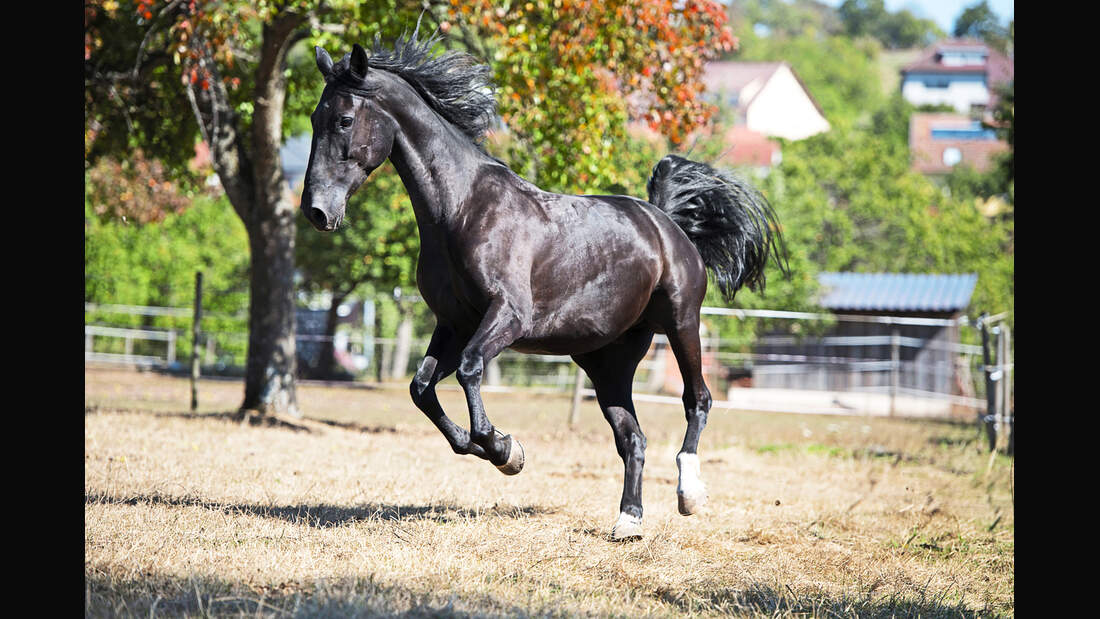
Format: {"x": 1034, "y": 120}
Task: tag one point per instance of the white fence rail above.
{"x": 825, "y": 355}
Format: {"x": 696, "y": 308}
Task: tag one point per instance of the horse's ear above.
{"x": 324, "y": 62}
{"x": 358, "y": 62}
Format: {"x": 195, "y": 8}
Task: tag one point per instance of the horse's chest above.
{"x": 453, "y": 296}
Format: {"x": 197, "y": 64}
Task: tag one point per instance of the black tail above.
{"x": 731, "y": 223}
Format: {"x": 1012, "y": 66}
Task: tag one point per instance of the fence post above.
{"x": 195, "y": 334}
{"x": 990, "y": 387}
{"x": 1004, "y": 356}
{"x": 575, "y": 409}
{"x": 895, "y": 368}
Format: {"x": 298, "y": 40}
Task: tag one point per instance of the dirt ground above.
{"x": 370, "y": 513}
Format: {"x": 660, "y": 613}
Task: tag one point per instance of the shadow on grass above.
{"x": 327, "y": 516}
{"x": 239, "y": 417}
{"x": 159, "y": 594}
{"x": 767, "y": 601}
{"x": 150, "y": 594}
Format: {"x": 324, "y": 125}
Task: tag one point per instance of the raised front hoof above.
{"x": 516, "y": 458}
{"x": 690, "y": 503}
{"x": 627, "y": 528}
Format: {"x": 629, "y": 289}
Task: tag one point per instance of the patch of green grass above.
{"x": 775, "y": 448}
{"x": 829, "y": 450}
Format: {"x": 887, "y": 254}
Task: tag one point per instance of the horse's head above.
{"x": 352, "y": 136}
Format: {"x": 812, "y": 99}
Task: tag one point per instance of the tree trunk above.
{"x": 272, "y": 361}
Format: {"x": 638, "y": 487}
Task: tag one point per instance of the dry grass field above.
{"x": 372, "y": 514}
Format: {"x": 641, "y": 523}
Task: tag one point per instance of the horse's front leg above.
{"x": 499, "y": 328}
{"x": 440, "y": 360}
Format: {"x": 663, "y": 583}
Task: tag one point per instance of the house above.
{"x": 766, "y": 97}
{"x": 856, "y": 354}
{"x": 940, "y": 141}
{"x": 962, "y": 73}
{"x": 748, "y": 148}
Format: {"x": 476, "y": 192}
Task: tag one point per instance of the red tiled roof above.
{"x": 745, "y": 147}
{"x": 926, "y": 154}
{"x": 998, "y": 67}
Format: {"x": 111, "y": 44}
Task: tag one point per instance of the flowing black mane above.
{"x": 454, "y": 84}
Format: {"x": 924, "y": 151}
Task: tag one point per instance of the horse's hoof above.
{"x": 690, "y": 504}
{"x": 691, "y": 492}
{"x": 516, "y": 458}
{"x": 627, "y": 528}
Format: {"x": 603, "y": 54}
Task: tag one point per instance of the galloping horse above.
{"x": 504, "y": 264}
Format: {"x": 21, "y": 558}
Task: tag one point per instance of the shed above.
{"x": 920, "y": 310}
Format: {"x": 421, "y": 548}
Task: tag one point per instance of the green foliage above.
{"x": 869, "y": 18}
{"x": 129, "y": 263}
{"x": 978, "y": 21}
{"x": 849, "y": 200}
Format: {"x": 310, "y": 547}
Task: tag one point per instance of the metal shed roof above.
{"x": 897, "y": 291}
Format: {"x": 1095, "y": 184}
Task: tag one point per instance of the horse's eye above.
{"x": 345, "y": 122}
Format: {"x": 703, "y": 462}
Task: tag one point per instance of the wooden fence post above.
{"x": 1004, "y": 357}
{"x": 575, "y": 409}
{"x": 195, "y": 335}
{"x": 895, "y": 368}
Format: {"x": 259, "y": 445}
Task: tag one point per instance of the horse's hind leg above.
{"x": 683, "y": 338}
{"x": 611, "y": 370}
{"x": 440, "y": 360}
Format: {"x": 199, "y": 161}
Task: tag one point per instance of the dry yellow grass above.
{"x": 808, "y": 516}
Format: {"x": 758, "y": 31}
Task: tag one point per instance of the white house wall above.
{"x": 960, "y": 92}
{"x": 782, "y": 109}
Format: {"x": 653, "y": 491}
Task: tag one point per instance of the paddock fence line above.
{"x": 793, "y": 362}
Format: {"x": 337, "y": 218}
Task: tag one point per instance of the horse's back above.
{"x": 601, "y": 261}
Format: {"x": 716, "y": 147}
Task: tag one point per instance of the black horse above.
{"x": 504, "y": 264}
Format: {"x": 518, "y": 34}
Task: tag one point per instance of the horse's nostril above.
{"x": 318, "y": 217}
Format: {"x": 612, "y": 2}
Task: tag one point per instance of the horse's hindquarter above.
{"x": 598, "y": 261}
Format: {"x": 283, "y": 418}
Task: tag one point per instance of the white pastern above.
{"x": 691, "y": 492}
{"x": 627, "y": 527}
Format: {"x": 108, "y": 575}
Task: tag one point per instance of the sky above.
{"x": 944, "y": 12}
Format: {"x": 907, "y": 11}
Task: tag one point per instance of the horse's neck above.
{"x": 437, "y": 164}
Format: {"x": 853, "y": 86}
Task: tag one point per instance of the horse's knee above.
{"x": 418, "y": 389}
{"x": 470, "y": 370}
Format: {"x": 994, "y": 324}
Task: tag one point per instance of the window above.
{"x": 951, "y": 156}
{"x": 972, "y": 131}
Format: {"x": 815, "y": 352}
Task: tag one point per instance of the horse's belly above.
{"x": 561, "y": 345}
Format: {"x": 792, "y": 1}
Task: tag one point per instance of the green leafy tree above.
{"x": 978, "y": 21}
{"x": 135, "y": 260}
{"x": 787, "y": 18}
{"x": 848, "y": 199}
{"x": 869, "y": 18}
{"x": 161, "y": 75}
{"x": 565, "y": 72}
